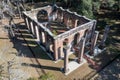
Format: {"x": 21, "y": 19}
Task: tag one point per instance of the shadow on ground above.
{"x": 21, "y": 45}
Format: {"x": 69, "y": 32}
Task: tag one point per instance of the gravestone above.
{"x": 102, "y": 43}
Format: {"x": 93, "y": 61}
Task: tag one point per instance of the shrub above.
{"x": 47, "y": 76}
{"x": 85, "y": 8}
{"x": 32, "y": 78}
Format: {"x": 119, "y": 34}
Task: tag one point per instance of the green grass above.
{"x": 47, "y": 76}
{"x": 114, "y": 49}
{"x": 32, "y": 78}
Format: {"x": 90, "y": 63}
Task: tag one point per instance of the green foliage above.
{"x": 85, "y": 8}
{"x": 110, "y": 2}
{"x": 96, "y": 6}
{"x": 54, "y": 32}
{"x": 32, "y": 78}
{"x": 47, "y": 76}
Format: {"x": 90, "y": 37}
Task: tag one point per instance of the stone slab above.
{"x": 73, "y": 65}
{"x": 96, "y": 52}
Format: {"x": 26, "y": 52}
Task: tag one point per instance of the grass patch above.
{"x": 47, "y": 76}
{"x": 114, "y": 50}
{"x": 32, "y": 78}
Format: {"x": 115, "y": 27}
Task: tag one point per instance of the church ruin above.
{"x": 61, "y": 32}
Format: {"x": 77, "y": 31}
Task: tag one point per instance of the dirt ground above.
{"x": 31, "y": 65}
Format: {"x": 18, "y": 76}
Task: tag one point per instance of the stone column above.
{"x": 107, "y": 29}
{"x": 62, "y": 54}
{"x": 43, "y": 36}
{"x": 66, "y": 61}
{"x": 34, "y": 30}
{"x": 40, "y": 33}
{"x": 93, "y": 42}
{"x": 31, "y": 24}
{"x": 55, "y": 50}
{"x": 81, "y": 50}
{"x": 37, "y": 34}
{"x": 93, "y": 29}
{"x": 70, "y": 39}
{"x": 88, "y": 36}
{"x": 26, "y": 22}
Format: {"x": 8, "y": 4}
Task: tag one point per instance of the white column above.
{"x": 81, "y": 50}
{"x": 55, "y": 50}
{"x": 66, "y": 61}
{"x": 27, "y": 24}
{"x": 37, "y": 34}
{"x": 31, "y": 23}
{"x": 43, "y": 36}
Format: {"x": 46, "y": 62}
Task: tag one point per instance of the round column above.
{"x": 66, "y": 60}
{"x": 81, "y": 50}
{"x": 93, "y": 42}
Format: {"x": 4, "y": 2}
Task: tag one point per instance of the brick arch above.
{"x": 76, "y": 39}
{"x": 69, "y": 22}
{"x": 65, "y": 42}
{"x": 88, "y": 35}
{"x": 59, "y": 15}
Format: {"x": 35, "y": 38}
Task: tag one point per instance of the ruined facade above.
{"x": 60, "y": 29}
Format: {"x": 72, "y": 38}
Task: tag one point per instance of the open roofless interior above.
{"x": 57, "y": 21}
{"x": 55, "y": 28}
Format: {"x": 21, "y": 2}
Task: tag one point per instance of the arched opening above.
{"x": 69, "y": 23}
{"x": 59, "y": 16}
{"x": 87, "y": 35}
{"x": 51, "y": 47}
{"x": 65, "y": 42}
{"x": 78, "y": 23}
{"x": 76, "y": 39}
{"x": 59, "y": 53}
{"x": 53, "y": 14}
{"x": 42, "y": 16}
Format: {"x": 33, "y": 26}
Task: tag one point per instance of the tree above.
{"x": 96, "y": 5}
{"x": 84, "y": 7}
